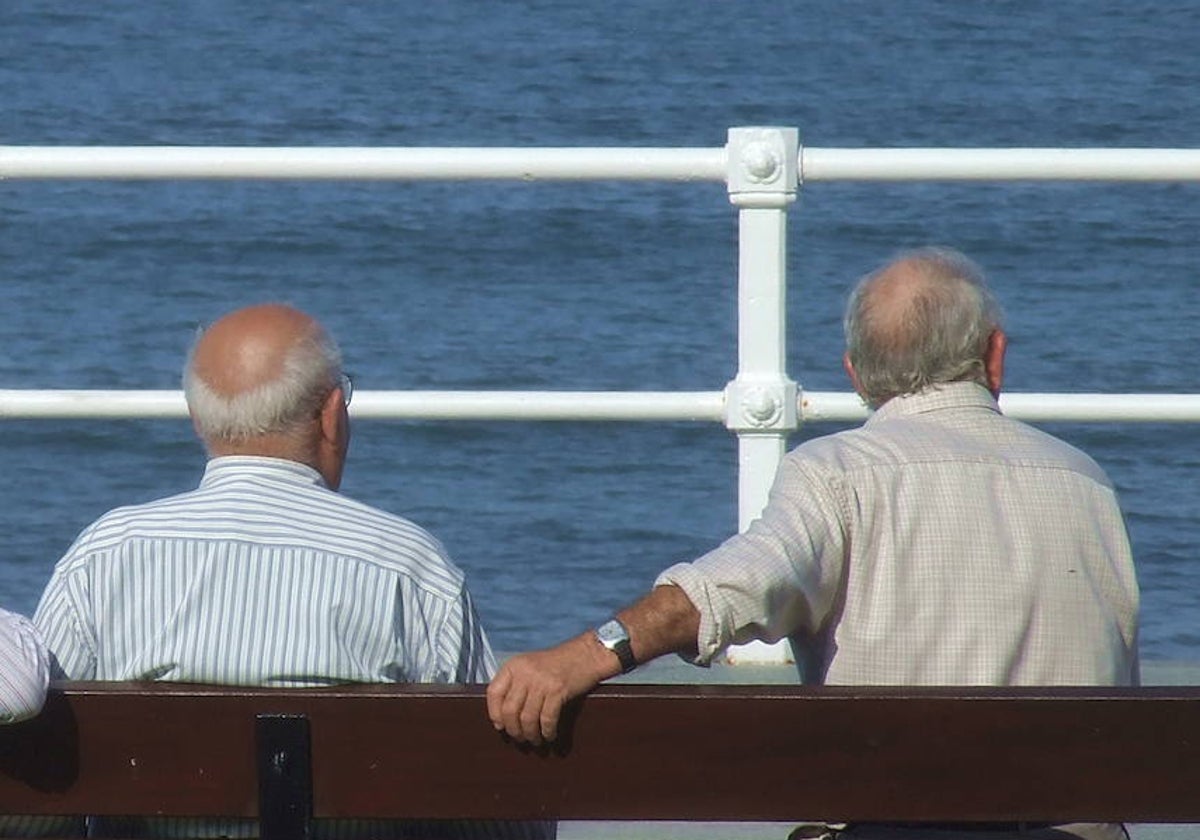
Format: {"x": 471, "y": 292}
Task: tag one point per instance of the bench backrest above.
{"x": 628, "y": 752}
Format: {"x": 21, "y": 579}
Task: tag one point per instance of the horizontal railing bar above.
{"x": 542, "y": 405}
{"x": 361, "y": 163}
{"x": 1027, "y": 164}
{"x": 70, "y": 404}
{"x": 817, "y": 406}
{"x": 703, "y": 406}
{"x": 1033, "y": 407}
{"x": 1164, "y": 408}
{"x": 383, "y": 405}
{"x": 580, "y": 164}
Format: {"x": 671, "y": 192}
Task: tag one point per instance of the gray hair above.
{"x": 938, "y": 334}
{"x": 311, "y": 369}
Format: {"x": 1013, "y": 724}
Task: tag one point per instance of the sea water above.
{"x": 580, "y": 286}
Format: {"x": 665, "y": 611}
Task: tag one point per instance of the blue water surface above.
{"x": 580, "y": 286}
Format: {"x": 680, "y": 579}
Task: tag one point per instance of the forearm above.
{"x": 664, "y": 621}
{"x": 526, "y": 697}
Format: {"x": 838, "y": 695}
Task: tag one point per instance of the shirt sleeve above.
{"x": 476, "y": 662}
{"x": 71, "y": 649}
{"x": 777, "y": 578}
{"x": 24, "y": 669}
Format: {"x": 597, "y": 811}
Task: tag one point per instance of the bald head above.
{"x": 256, "y": 379}
{"x": 249, "y": 348}
{"x": 925, "y": 318}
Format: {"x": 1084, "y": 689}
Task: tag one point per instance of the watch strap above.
{"x": 613, "y": 635}
{"x": 624, "y": 652}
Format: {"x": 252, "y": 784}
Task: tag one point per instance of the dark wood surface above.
{"x": 628, "y": 752}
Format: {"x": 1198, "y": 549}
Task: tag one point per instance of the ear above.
{"x": 993, "y": 361}
{"x": 849, "y": 367}
{"x": 333, "y": 416}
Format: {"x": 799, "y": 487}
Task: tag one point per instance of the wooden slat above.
{"x": 629, "y": 752}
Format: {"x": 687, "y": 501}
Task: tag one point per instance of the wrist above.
{"x": 613, "y": 636}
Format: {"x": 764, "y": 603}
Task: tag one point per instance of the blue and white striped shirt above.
{"x": 264, "y": 576}
{"x": 260, "y": 576}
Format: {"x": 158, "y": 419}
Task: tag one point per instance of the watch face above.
{"x": 611, "y": 632}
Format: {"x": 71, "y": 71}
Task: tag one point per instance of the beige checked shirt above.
{"x": 939, "y": 544}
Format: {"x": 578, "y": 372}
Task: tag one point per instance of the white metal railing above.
{"x": 589, "y": 406}
{"x": 358, "y": 163}
{"x": 762, "y": 168}
{"x": 584, "y": 164}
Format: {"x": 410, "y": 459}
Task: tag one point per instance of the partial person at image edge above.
{"x": 941, "y": 543}
{"x": 24, "y": 670}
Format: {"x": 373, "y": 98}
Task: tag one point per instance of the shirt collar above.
{"x": 947, "y": 395}
{"x": 229, "y": 467}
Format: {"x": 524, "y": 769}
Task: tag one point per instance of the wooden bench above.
{"x": 629, "y": 752}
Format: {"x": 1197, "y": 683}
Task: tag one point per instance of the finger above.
{"x": 497, "y": 690}
{"x": 512, "y": 710}
{"x": 530, "y": 717}
{"x": 551, "y": 711}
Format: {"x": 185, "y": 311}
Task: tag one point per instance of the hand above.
{"x": 526, "y": 697}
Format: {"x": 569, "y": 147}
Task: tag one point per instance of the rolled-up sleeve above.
{"x": 777, "y": 578}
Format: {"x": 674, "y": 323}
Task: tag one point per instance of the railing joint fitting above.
{"x": 754, "y": 404}
{"x": 763, "y": 166}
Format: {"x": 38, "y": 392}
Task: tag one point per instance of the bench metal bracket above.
{"x": 284, "y": 754}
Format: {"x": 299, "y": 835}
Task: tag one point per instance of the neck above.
{"x": 266, "y": 446}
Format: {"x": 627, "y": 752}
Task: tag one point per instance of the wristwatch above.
{"x": 613, "y": 635}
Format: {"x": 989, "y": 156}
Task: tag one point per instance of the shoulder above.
{"x": 970, "y": 436}
{"x": 386, "y": 528}
{"x": 838, "y": 451}
{"x": 354, "y": 529}
{"x": 308, "y": 518}
{"x": 1045, "y": 448}
{"x": 113, "y": 527}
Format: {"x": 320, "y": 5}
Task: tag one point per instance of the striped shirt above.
{"x": 264, "y": 576}
{"x": 24, "y": 671}
{"x": 939, "y": 544}
{"x": 261, "y": 576}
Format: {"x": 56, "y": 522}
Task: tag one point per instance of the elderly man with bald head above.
{"x": 264, "y": 574}
{"x": 941, "y": 543}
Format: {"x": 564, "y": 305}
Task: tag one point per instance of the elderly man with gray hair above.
{"x": 941, "y": 543}
{"x": 264, "y": 574}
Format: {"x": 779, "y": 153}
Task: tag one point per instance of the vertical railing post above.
{"x": 760, "y": 404}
